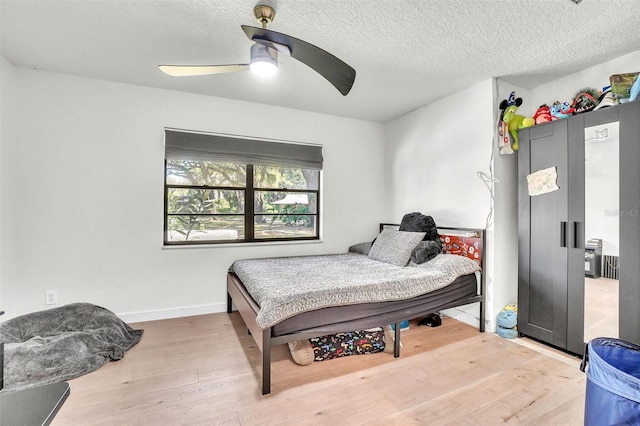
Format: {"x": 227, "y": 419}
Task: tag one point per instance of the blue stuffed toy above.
{"x": 507, "y": 319}
{"x": 560, "y": 110}
{"x": 507, "y": 322}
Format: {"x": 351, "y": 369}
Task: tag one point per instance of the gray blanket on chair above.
{"x": 62, "y": 343}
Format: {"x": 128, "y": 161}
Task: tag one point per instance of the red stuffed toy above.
{"x": 543, "y": 114}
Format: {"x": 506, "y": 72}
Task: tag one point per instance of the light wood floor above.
{"x": 601, "y": 301}
{"x": 205, "y": 370}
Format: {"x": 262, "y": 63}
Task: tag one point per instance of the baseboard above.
{"x": 462, "y": 316}
{"x": 186, "y": 311}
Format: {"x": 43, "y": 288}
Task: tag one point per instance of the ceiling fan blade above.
{"x": 336, "y": 71}
{"x": 190, "y": 70}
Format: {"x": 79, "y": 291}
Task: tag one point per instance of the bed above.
{"x": 289, "y": 299}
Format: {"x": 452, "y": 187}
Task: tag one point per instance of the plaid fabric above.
{"x": 345, "y": 344}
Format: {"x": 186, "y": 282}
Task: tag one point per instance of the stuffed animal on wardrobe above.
{"x": 514, "y": 121}
{"x": 585, "y": 100}
{"x": 542, "y": 115}
{"x": 560, "y": 110}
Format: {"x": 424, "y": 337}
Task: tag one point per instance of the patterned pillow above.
{"x": 395, "y": 247}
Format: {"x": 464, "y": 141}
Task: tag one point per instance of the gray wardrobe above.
{"x": 551, "y": 227}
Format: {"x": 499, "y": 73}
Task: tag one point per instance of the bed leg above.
{"x": 229, "y": 303}
{"x": 482, "y": 319}
{"x": 396, "y": 342}
{"x": 266, "y": 361}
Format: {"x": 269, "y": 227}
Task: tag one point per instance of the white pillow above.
{"x": 395, "y": 247}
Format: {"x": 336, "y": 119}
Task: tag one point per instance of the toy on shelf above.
{"x": 622, "y": 85}
{"x": 514, "y": 121}
{"x": 635, "y": 90}
{"x": 606, "y": 98}
{"x": 585, "y": 101}
{"x": 542, "y": 115}
{"x": 560, "y": 110}
{"x": 504, "y": 142}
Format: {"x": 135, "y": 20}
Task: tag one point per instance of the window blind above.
{"x": 185, "y": 145}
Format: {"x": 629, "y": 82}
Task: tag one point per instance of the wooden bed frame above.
{"x": 237, "y": 294}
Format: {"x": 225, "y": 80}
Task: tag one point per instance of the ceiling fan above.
{"x": 264, "y": 56}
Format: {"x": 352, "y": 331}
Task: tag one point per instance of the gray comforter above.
{"x": 62, "y": 343}
{"x": 286, "y": 286}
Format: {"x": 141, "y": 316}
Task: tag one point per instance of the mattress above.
{"x": 366, "y": 315}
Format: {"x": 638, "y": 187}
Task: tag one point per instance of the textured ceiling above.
{"x": 406, "y": 53}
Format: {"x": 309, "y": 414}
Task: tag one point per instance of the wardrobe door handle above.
{"x": 563, "y": 234}
{"x": 574, "y": 234}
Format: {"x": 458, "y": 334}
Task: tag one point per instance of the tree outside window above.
{"x": 214, "y": 202}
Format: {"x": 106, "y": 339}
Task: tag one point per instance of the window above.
{"x": 222, "y": 189}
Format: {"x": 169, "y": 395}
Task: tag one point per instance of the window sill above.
{"x": 239, "y": 245}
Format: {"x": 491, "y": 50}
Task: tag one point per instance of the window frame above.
{"x": 249, "y": 211}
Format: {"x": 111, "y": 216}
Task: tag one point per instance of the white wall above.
{"x": 433, "y": 155}
{"x": 89, "y": 193}
{"x": 7, "y": 230}
{"x": 505, "y": 289}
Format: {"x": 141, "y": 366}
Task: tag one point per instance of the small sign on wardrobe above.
{"x": 543, "y": 181}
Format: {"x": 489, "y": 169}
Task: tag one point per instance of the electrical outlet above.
{"x": 51, "y": 297}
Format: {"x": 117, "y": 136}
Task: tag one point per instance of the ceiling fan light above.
{"x": 263, "y": 68}
{"x": 264, "y": 60}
